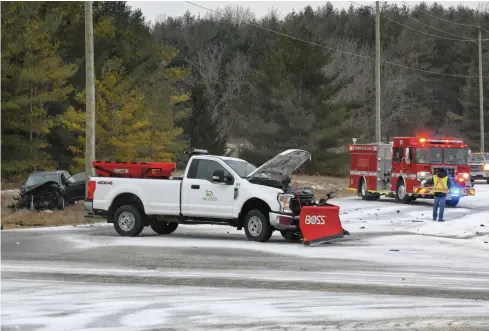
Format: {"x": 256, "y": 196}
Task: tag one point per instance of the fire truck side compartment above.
{"x": 384, "y": 167}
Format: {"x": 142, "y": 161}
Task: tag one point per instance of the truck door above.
{"x": 201, "y": 196}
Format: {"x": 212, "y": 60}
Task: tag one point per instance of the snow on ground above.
{"x": 78, "y": 306}
{"x": 411, "y": 250}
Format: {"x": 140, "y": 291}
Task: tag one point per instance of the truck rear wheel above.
{"x": 128, "y": 221}
{"x": 257, "y": 227}
{"x": 161, "y": 227}
{"x": 365, "y": 194}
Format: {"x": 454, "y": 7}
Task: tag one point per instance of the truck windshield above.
{"x": 428, "y": 155}
{"x": 438, "y": 155}
{"x": 479, "y": 157}
{"x": 242, "y": 168}
{"x": 456, "y": 156}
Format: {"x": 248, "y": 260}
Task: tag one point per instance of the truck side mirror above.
{"x": 218, "y": 176}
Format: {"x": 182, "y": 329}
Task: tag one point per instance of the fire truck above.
{"x": 398, "y": 169}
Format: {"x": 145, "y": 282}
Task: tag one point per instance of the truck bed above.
{"x": 158, "y": 196}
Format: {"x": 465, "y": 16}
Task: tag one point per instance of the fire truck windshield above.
{"x": 456, "y": 156}
{"x": 437, "y": 155}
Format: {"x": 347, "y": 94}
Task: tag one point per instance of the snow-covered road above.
{"x": 398, "y": 270}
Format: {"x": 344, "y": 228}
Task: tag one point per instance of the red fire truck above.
{"x": 398, "y": 169}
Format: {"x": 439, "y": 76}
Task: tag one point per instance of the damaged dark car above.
{"x": 51, "y": 190}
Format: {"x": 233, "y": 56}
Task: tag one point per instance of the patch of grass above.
{"x": 10, "y": 186}
{"x": 71, "y": 215}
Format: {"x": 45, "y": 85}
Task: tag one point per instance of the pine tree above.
{"x": 33, "y": 77}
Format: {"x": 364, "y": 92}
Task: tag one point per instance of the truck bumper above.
{"x": 88, "y": 208}
{"x": 479, "y": 175}
{"x": 283, "y": 222}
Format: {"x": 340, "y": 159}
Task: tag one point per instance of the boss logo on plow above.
{"x": 312, "y": 219}
{"x": 121, "y": 171}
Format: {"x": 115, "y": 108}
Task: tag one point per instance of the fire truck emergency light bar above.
{"x": 441, "y": 141}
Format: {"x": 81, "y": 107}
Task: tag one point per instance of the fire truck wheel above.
{"x": 164, "y": 227}
{"x": 401, "y": 194}
{"x": 365, "y": 194}
{"x": 290, "y": 236}
{"x": 257, "y": 227}
{"x": 128, "y": 221}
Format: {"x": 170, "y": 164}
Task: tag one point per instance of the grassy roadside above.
{"x": 74, "y": 215}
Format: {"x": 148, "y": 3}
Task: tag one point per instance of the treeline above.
{"x": 219, "y": 83}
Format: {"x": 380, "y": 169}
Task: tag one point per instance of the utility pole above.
{"x": 90, "y": 94}
{"x": 481, "y": 97}
{"x": 377, "y": 74}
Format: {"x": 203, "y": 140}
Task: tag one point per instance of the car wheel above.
{"x": 161, "y": 227}
{"x": 128, "y": 221}
{"x": 60, "y": 202}
{"x": 257, "y": 227}
{"x": 453, "y": 201}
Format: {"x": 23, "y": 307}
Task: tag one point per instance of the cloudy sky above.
{"x": 153, "y": 9}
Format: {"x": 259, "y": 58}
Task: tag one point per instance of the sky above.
{"x": 153, "y": 9}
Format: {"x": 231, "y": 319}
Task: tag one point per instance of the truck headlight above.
{"x": 486, "y": 167}
{"x": 464, "y": 175}
{"x": 284, "y": 201}
{"x": 422, "y": 175}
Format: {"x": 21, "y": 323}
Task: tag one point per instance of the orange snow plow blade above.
{"x": 319, "y": 224}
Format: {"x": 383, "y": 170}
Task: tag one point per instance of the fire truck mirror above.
{"x": 407, "y": 155}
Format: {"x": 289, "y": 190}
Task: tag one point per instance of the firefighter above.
{"x": 441, "y": 186}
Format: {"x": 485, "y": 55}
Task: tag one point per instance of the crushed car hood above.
{"x": 35, "y": 188}
{"x": 282, "y": 165}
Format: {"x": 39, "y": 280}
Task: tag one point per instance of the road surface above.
{"x": 398, "y": 270}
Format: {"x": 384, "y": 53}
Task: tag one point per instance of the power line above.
{"x": 342, "y": 51}
{"x": 422, "y": 32}
{"x": 445, "y": 20}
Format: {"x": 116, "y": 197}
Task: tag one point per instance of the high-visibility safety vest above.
{"x": 440, "y": 184}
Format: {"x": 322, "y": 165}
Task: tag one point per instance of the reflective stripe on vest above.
{"x": 441, "y": 184}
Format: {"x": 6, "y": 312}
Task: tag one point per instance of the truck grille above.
{"x": 477, "y": 167}
{"x": 296, "y": 207}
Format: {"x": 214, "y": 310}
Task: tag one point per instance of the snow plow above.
{"x": 321, "y": 223}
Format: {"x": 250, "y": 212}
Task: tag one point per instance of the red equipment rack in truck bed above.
{"x": 156, "y": 170}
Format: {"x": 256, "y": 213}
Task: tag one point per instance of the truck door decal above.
{"x": 209, "y": 196}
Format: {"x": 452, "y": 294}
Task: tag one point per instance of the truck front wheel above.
{"x": 257, "y": 227}
{"x": 161, "y": 227}
{"x": 128, "y": 221}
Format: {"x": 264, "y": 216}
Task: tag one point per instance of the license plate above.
{"x": 449, "y": 196}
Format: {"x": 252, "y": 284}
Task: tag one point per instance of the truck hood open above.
{"x": 282, "y": 165}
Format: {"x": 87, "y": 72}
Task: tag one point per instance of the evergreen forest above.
{"x": 231, "y": 82}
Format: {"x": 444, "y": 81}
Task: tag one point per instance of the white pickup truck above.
{"x": 213, "y": 190}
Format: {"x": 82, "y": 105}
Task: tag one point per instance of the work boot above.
{"x": 442, "y": 220}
